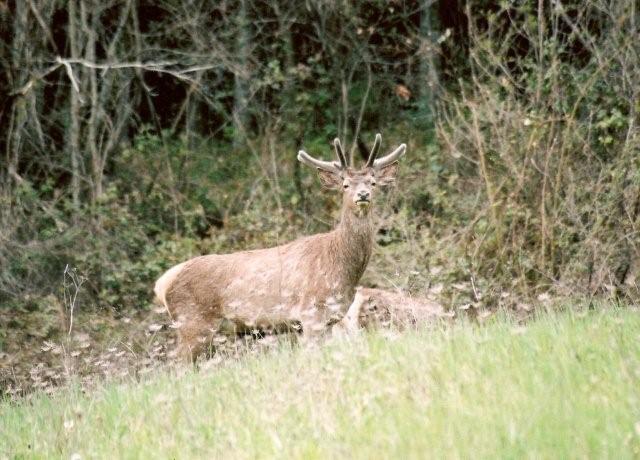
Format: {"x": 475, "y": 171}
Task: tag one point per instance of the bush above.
{"x": 543, "y": 147}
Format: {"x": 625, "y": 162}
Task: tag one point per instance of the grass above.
{"x": 564, "y": 386}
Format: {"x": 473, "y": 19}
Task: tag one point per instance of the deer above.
{"x": 305, "y": 285}
{"x": 374, "y": 307}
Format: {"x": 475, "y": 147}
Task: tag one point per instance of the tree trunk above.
{"x": 18, "y": 117}
{"x": 89, "y": 28}
{"x": 240, "y": 91}
{"x": 74, "y": 112}
{"x": 427, "y": 87}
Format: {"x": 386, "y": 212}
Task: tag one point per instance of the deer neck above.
{"x": 353, "y": 247}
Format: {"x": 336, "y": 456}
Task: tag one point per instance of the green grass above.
{"x": 564, "y": 386}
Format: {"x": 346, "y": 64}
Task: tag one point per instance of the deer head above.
{"x": 358, "y": 185}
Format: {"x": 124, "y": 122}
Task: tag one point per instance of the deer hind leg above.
{"x": 197, "y": 324}
{"x": 196, "y": 336}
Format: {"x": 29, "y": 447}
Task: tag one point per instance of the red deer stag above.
{"x": 308, "y": 283}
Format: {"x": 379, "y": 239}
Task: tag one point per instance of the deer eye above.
{"x": 373, "y": 184}
{"x": 345, "y": 186}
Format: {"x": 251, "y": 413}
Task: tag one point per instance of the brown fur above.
{"x": 308, "y": 283}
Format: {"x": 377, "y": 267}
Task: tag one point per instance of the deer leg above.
{"x": 195, "y": 337}
{"x": 350, "y": 323}
{"x": 314, "y": 324}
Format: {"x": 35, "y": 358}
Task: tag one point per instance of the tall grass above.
{"x": 563, "y": 386}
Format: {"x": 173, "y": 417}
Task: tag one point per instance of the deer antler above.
{"x": 340, "y": 152}
{"x": 335, "y": 167}
{"x": 331, "y": 166}
{"x": 391, "y": 158}
{"x": 374, "y": 151}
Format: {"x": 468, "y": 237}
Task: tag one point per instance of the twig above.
{"x": 24, "y": 89}
{"x": 74, "y": 82}
{"x": 160, "y": 66}
{"x": 154, "y": 66}
{"x": 363, "y": 105}
{"x": 71, "y": 279}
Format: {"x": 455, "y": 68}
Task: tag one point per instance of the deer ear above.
{"x": 330, "y": 180}
{"x": 387, "y": 175}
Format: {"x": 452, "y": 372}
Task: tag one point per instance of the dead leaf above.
{"x": 403, "y": 92}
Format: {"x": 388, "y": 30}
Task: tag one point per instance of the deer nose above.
{"x": 363, "y": 195}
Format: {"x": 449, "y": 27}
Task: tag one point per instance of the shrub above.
{"x": 542, "y": 142}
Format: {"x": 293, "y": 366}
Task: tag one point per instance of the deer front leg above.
{"x": 315, "y": 323}
{"x": 329, "y": 318}
{"x": 351, "y": 320}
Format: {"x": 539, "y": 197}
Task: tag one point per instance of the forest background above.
{"x": 136, "y": 134}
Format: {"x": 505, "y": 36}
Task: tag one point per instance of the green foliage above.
{"x": 157, "y": 208}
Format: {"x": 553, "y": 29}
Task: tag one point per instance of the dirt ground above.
{"x": 37, "y": 352}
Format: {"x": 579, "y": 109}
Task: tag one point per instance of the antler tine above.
{"x": 340, "y": 152}
{"x": 307, "y": 159}
{"x": 374, "y": 151}
{"x": 391, "y": 158}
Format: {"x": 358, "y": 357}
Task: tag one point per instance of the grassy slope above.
{"x": 566, "y": 386}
